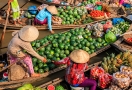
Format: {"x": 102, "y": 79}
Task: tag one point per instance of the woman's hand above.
{"x": 44, "y": 60}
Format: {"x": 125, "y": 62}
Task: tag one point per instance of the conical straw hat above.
{"x": 79, "y": 56}
{"x": 52, "y": 9}
{"x": 28, "y": 33}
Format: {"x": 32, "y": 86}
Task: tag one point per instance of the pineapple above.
{"x": 119, "y": 55}
{"x": 114, "y": 62}
{"x": 105, "y": 67}
{"x": 105, "y": 61}
{"x": 129, "y": 58}
{"x": 114, "y": 68}
{"x": 125, "y": 55}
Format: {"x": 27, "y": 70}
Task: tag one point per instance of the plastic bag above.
{"x": 127, "y": 70}
{"x": 96, "y": 72}
{"x": 107, "y": 25}
{"x": 121, "y": 79}
{"x": 32, "y": 10}
{"x": 89, "y": 27}
{"x": 27, "y": 15}
{"x": 114, "y": 87}
{"x": 98, "y": 26}
{"x": 105, "y": 80}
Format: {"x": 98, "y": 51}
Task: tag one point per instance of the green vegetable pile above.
{"x": 72, "y": 15}
{"x": 62, "y": 44}
{"x": 120, "y": 28}
{"x": 88, "y": 2}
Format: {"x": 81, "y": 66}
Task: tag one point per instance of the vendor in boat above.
{"x": 20, "y": 42}
{"x": 45, "y": 16}
{"x": 15, "y": 9}
{"x": 76, "y": 66}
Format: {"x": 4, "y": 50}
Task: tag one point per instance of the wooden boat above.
{"x": 50, "y": 3}
{"x": 58, "y": 78}
{"x": 45, "y": 27}
{"x": 13, "y": 84}
{"x": 18, "y": 83}
{"x": 118, "y": 13}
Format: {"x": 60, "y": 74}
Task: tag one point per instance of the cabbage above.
{"x": 110, "y": 37}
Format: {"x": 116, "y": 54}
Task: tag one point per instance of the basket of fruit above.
{"x": 128, "y": 38}
{"x": 97, "y": 14}
{"x": 56, "y": 20}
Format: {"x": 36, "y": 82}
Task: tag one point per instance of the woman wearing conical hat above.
{"x": 20, "y": 42}
{"x": 45, "y": 16}
{"x": 76, "y": 65}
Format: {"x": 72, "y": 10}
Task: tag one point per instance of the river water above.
{"x": 8, "y": 35}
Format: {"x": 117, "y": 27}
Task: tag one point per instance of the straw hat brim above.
{"x": 52, "y": 9}
{"x": 79, "y": 56}
{"x": 28, "y": 33}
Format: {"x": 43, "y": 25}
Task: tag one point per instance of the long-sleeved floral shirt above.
{"x": 74, "y": 72}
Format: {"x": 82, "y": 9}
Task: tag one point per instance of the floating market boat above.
{"x": 45, "y": 27}
{"x": 81, "y": 19}
{"x": 59, "y": 79}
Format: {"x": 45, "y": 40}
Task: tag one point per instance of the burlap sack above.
{"x": 16, "y": 72}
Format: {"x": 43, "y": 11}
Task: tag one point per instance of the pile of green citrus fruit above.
{"x": 62, "y": 44}
{"x": 71, "y": 15}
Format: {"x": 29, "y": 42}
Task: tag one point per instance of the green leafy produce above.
{"x": 120, "y": 28}
{"x": 110, "y": 37}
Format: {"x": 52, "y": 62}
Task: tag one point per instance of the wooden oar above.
{"x": 4, "y": 30}
{"x": 25, "y": 4}
{"x": 3, "y": 6}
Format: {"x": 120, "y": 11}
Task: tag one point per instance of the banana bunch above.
{"x": 112, "y": 62}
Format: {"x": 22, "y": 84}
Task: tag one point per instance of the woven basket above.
{"x": 126, "y": 36}
{"x": 98, "y": 18}
{"x": 56, "y": 22}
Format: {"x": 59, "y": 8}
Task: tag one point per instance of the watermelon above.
{"x": 59, "y": 87}
{"x": 51, "y": 87}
